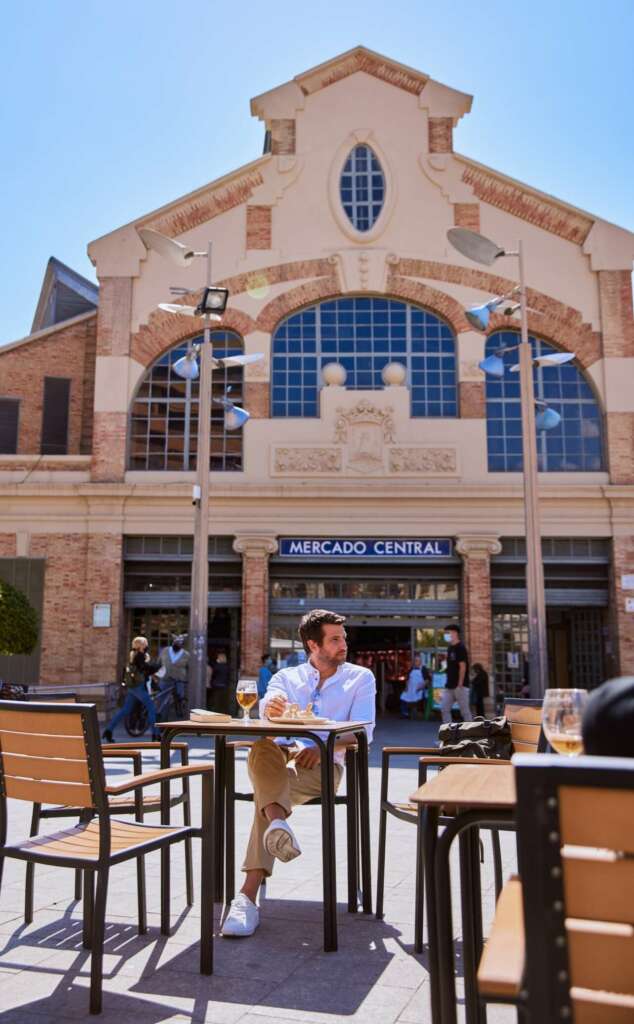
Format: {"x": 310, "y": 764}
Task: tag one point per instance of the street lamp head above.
{"x": 177, "y": 253}
{"x": 493, "y": 365}
{"x": 235, "y": 417}
{"x": 213, "y": 302}
{"x": 173, "y": 307}
{"x": 547, "y": 419}
{"x": 554, "y": 359}
{"x": 474, "y": 246}
{"x": 479, "y": 316}
{"x": 187, "y": 366}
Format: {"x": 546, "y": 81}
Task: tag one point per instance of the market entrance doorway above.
{"x": 387, "y": 651}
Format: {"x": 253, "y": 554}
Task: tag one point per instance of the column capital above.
{"x": 253, "y": 544}
{"x": 478, "y": 545}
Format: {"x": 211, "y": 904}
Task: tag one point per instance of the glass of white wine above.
{"x": 247, "y": 695}
{"x": 561, "y": 718}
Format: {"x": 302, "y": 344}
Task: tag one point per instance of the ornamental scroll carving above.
{"x": 307, "y": 460}
{"x": 364, "y": 429}
{"x": 423, "y": 460}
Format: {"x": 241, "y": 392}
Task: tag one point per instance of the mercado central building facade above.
{"x": 393, "y": 497}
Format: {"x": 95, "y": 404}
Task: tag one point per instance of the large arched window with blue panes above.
{"x": 364, "y": 334}
{"x": 575, "y": 445}
{"x": 164, "y": 414}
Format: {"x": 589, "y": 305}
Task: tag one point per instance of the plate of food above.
{"x": 294, "y": 715}
{"x": 209, "y": 717}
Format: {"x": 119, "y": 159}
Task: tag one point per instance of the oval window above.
{"x": 362, "y": 188}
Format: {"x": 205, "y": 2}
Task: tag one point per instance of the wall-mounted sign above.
{"x": 629, "y": 604}
{"x": 627, "y": 582}
{"x": 365, "y": 547}
{"x": 101, "y": 615}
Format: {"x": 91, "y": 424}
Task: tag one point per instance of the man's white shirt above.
{"x": 347, "y": 696}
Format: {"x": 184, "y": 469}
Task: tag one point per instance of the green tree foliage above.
{"x": 18, "y": 621}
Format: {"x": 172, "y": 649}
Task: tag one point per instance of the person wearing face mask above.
{"x": 457, "y": 685}
{"x": 175, "y": 661}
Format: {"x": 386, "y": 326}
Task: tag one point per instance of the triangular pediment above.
{"x": 279, "y": 101}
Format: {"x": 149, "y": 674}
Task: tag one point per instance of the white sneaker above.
{"x": 280, "y": 841}
{"x": 242, "y": 919}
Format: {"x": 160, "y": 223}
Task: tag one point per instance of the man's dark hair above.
{"x": 454, "y": 627}
{"x": 310, "y": 628}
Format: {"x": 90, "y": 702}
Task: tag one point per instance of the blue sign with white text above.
{"x": 365, "y": 547}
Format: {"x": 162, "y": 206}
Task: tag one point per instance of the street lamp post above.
{"x": 476, "y": 247}
{"x": 210, "y": 308}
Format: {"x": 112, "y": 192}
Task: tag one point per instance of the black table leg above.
{"x": 352, "y": 830}
{"x": 328, "y": 842}
{"x": 166, "y": 741}
{"x": 230, "y": 822}
{"x": 364, "y": 812}
{"x": 428, "y": 823}
{"x": 220, "y": 746}
{"x": 467, "y": 900}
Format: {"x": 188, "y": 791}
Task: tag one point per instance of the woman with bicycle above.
{"x": 138, "y": 670}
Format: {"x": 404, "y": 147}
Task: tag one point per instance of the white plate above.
{"x": 301, "y": 720}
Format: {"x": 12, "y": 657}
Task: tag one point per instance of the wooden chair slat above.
{"x": 83, "y": 840}
{"x": 599, "y": 888}
{"x": 67, "y": 793}
{"x": 601, "y": 1007}
{"x": 52, "y": 769}
{"x": 523, "y": 715}
{"x": 502, "y": 964}
{"x": 524, "y": 748}
{"x": 596, "y": 817}
{"x": 43, "y": 722}
{"x": 525, "y": 733}
{"x": 601, "y": 955}
{"x": 42, "y": 746}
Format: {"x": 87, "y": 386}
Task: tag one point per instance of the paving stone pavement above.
{"x": 279, "y": 975}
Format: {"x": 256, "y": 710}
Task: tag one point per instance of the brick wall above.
{"x": 66, "y": 352}
{"x": 620, "y": 445}
{"x": 623, "y": 562}
{"x": 80, "y": 570}
{"x": 617, "y": 318}
{"x": 259, "y": 227}
{"x": 440, "y": 132}
{"x": 255, "y": 553}
{"x": 476, "y": 596}
{"x": 467, "y": 215}
{"x": 472, "y": 400}
{"x": 282, "y": 136}
{"x": 109, "y": 447}
{"x": 257, "y": 398}
{"x": 7, "y": 545}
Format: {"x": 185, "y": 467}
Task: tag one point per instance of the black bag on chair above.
{"x": 483, "y": 737}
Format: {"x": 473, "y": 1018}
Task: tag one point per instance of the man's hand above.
{"x": 308, "y": 757}
{"x": 275, "y": 707}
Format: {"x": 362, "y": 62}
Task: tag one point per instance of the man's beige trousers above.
{"x": 275, "y": 781}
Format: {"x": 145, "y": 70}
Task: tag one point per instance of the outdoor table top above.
{"x": 258, "y": 726}
{"x": 470, "y": 785}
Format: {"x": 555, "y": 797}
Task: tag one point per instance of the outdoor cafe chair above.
{"x": 562, "y": 942}
{"x": 524, "y": 717}
{"x": 51, "y": 753}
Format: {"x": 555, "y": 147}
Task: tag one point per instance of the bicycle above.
{"x": 136, "y": 722}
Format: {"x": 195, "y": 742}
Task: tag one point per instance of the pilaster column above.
{"x": 623, "y": 621}
{"x": 476, "y": 551}
{"x": 111, "y": 379}
{"x": 255, "y": 550}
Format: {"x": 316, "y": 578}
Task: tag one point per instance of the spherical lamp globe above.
{"x": 334, "y": 375}
{"x": 394, "y": 375}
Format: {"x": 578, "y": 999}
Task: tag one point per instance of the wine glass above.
{"x": 562, "y": 713}
{"x": 247, "y": 695}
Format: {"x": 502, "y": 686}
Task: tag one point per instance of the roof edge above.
{"x": 38, "y": 335}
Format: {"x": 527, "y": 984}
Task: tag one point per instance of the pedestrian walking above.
{"x": 414, "y": 691}
{"x": 264, "y": 675}
{"x": 220, "y": 684}
{"x": 138, "y": 671}
{"x": 479, "y": 687}
{"x": 456, "y": 686}
{"x": 175, "y": 660}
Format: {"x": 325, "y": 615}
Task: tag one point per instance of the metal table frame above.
{"x": 225, "y": 730}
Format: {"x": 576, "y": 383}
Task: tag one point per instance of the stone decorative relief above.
{"x": 433, "y": 461}
{"x": 364, "y": 430}
{"x": 307, "y": 460}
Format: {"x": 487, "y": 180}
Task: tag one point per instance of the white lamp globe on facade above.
{"x": 394, "y": 375}
{"x": 334, "y": 375}
{"x": 187, "y": 366}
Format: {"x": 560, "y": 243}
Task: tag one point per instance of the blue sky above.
{"x": 109, "y": 110}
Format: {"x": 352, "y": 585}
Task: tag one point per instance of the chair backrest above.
{"x": 576, "y": 859}
{"x": 50, "y": 753}
{"x": 525, "y": 719}
{"x": 57, "y": 697}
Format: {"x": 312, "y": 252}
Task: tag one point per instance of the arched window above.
{"x": 164, "y": 416}
{"x": 574, "y": 446}
{"x": 363, "y": 334}
{"x": 362, "y": 188}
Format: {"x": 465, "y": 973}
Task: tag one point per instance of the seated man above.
{"x": 608, "y": 719}
{"x": 284, "y": 776}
